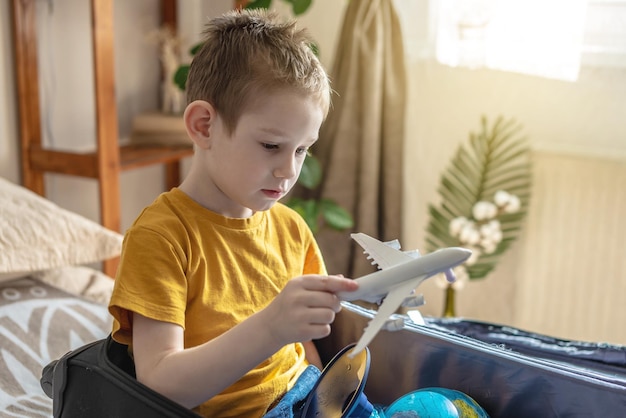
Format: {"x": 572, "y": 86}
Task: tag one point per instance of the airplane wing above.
{"x": 380, "y": 253}
{"x": 394, "y": 299}
{"x": 395, "y": 289}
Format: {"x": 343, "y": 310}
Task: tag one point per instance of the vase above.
{"x": 449, "y": 308}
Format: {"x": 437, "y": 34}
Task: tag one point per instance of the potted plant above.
{"x": 484, "y": 192}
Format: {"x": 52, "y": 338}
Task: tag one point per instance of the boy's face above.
{"x": 261, "y": 161}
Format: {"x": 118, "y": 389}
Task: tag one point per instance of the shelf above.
{"x": 86, "y": 164}
{"x": 110, "y": 157}
{"x": 135, "y": 156}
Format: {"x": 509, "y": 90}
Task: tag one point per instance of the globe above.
{"x": 435, "y": 402}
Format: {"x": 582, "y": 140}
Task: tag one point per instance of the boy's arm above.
{"x": 191, "y": 376}
{"x": 312, "y": 355}
{"x": 301, "y": 312}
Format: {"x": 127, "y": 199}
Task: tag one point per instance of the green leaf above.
{"x": 479, "y": 271}
{"x": 194, "y": 49}
{"x": 299, "y": 6}
{"x": 457, "y": 186}
{"x": 311, "y": 173}
{"x": 180, "y": 77}
{"x": 335, "y": 216}
{"x": 259, "y": 4}
{"x": 309, "y": 210}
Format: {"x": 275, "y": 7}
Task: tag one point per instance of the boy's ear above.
{"x": 199, "y": 117}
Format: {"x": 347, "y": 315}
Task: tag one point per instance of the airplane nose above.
{"x": 461, "y": 254}
{"x": 449, "y": 257}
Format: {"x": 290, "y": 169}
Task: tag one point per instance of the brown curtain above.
{"x": 361, "y": 142}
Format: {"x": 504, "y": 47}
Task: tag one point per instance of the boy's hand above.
{"x": 306, "y": 307}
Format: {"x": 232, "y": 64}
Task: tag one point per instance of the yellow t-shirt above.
{"x": 184, "y": 264}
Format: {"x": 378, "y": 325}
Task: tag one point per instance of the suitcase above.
{"x": 98, "y": 380}
{"x": 511, "y": 373}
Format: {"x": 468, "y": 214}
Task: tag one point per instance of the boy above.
{"x": 219, "y": 284}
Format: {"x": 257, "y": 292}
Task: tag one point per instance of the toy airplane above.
{"x": 401, "y": 272}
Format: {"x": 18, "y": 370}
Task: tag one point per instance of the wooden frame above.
{"x": 109, "y": 159}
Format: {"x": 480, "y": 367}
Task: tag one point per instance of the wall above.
{"x": 572, "y": 280}
{"x": 8, "y": 112}
{"x": 566, "y": 266}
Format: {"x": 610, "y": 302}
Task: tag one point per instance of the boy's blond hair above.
{"x": 249, "y": 53}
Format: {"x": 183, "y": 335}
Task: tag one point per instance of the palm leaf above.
{"x": 496, "y": 158}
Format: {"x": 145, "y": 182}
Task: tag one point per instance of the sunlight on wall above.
{"x": 535, "y": 37}
{"x": 523, "y": 30}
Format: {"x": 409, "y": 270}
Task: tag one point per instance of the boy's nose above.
{"x": 287, "y": 168}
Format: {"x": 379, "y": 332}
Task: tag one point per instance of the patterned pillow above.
{"x": 38, "y": 324}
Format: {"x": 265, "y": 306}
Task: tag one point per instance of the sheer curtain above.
{"x": 537, "y": 37}
{"x": 361, "y": 142}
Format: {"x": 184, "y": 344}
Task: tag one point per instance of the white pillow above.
{"x": 36, "y": 235}
{"x": 79, "y": 280}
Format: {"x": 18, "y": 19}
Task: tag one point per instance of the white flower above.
{"x": 491, "y": 231}
{"x": 456, "y": 225}
{"x": 496, "y": 237}
{"x": 488, "y": 245}
{"x": 469, "y": 234}
{"x": 484, "y": 210}
{"x": 482, "y": 232}
{"x": 476, "y": 252}
{"x": 501, "y": 198}
{"x": 509, "y": 203}
{"x": 486, "y": 230}
{"x": 513, "y": 205}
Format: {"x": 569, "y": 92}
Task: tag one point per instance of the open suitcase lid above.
{"x": 509, "y": 372}
{"x": 598, "y": 360}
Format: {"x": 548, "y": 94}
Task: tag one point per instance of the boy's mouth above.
{"x": 274, "y": 194}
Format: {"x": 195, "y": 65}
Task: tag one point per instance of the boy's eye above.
{"x": 274, "y": 147}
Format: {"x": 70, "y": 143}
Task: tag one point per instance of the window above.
{"x": 549, "y": 38}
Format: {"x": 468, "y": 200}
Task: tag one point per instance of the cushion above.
{"x": 37, "y": 235}
{"x": 83, "y": 281}
{"x": 40, "y": 323}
